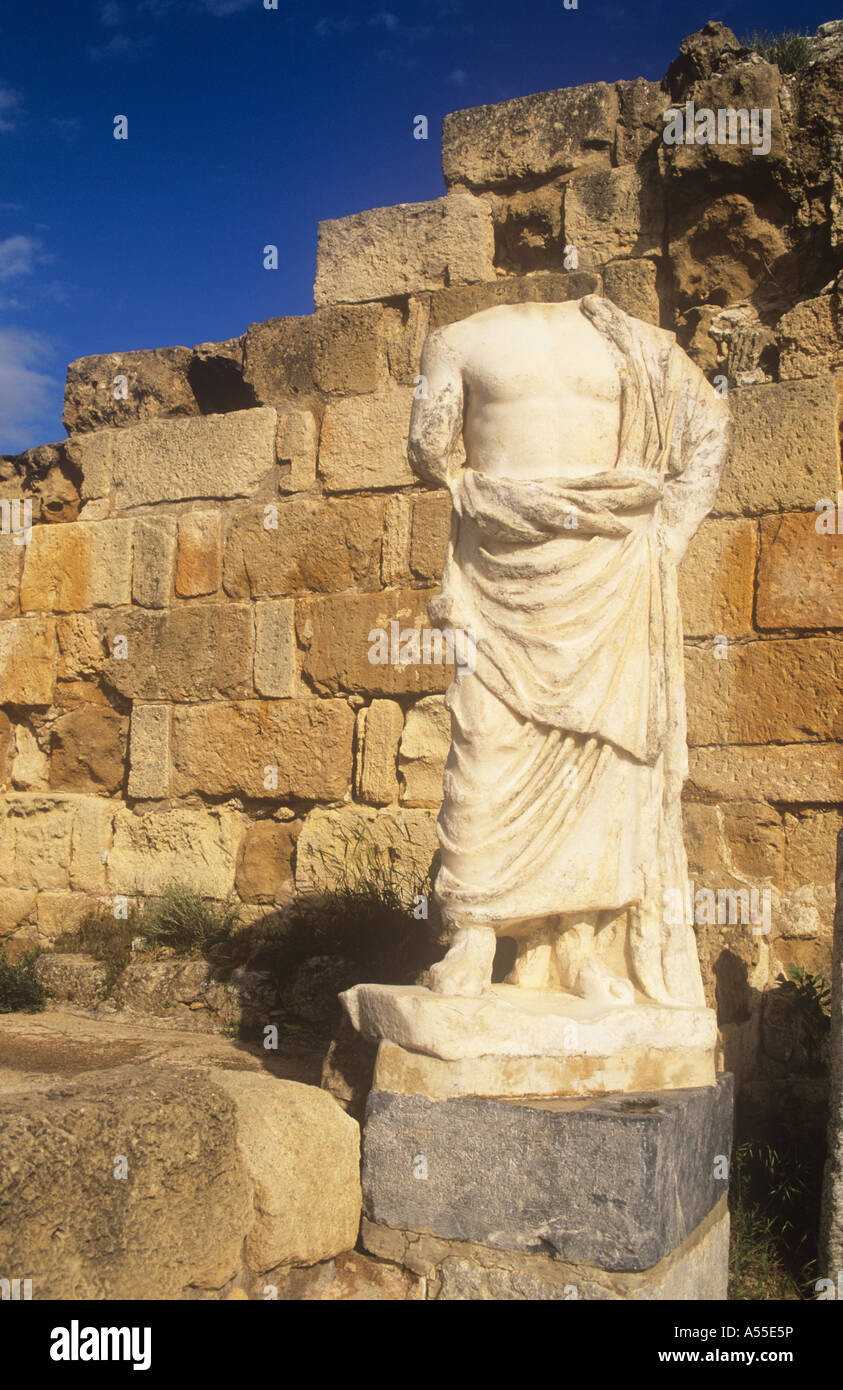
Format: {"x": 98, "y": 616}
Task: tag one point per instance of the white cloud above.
{"x": 26, "y": 391}
{"x": 9, "y": 107}
{"x": 120, "y": 46}
{"x": 112, "y": 14}
{"x": 18, "y": 255}
{"x": 458, "y": 77}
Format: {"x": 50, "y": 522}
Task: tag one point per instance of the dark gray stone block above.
{"x": 616, "y": 1181}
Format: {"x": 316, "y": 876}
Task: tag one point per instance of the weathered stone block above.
{"x": 28, "y": 659}
{"x": 265, "y": 861}
{"x": 404, "y": 249}
{"x": 758, "y": 693}
{"x": 85, "y": 564}
{"x": 378, "y": 731}
{"x": 395, "y": 552}
{"x": 716, "y": 580}
{"x": 193, "y": 845}
{"x": 811, "y": 338}
{"x": 499, "y": 1171}
{"x": 278, "y": 359}
{"x": 90, "y": 843}
{"x": 539, "y": 135}
{"x": 190, "y": 652}
{"x": 37, "y": 833}
{"x": 429, "y": 540}
{"x": 542, "y": 287}
{"x": 614, "y": 213}
{"x": 156, "y": 385}
{"x": 296, "y": 444}
{"x": 785, "y": 454}
{"x": 801, "y": 772}
{"x": 149, "y": 752}
{"x": 342, "y": 847}
{"x": 363, "y": 443}
{"x": 406, "y": 330}
{"x": 199, "y": 563}
{"x": 81, "y": 646}
{"x": 275, "y": 649}
{"x": 175, "y": 460}
{"x": 60, "y": 913}
{"x": 424, "y": 750}
{"x": 317, "y": 545}
{"x": 349, "y": 348}
{"x": 91, "y": 454}
{"x": 11, "y": 569}
{"x": 17, "y": 907}
{"x": 800, "y": 574}
{"x": 154, "y": 553}
{"x": 31, "y": 766}
{"x": 353, "y": 642}
{"x": 263, "y": 748}
{"x": 632, "y": 286}
{"x": 88, "y": 750}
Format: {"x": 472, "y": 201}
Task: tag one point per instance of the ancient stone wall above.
{"x": 186, "y": 689}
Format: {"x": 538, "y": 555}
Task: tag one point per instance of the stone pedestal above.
{"x": 617, "y": 1196}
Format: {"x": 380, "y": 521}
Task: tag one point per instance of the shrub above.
{"x": 20, "y": 988}
{"x": 186, "y": 923}
{"x": 790, "y": 50}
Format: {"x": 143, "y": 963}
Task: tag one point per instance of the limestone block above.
{"x": 363, "y": 443}
{"x": 149, "y": 752}
{"x": 81, "y": 647}
{"x": 318, "y": 545}
{"x": 154, "y": 553}
{"x": 740, "y": 86}
{"x": 716, "y": 580}
{"x": 175, "y": 460}
{"x": 740, "y": 842}
{"x": 431, "y": 529}
{"x": 800, "y": 772}
{"x": 632, "y": 286}
{"x": 156, "y": 385}
{"x": 800, "y": 573}
{"x": 90, "y": 844}
{"x": 70, "y": 975}
{"x": 723, "y": 695}
{"x": 263, "y": 748}
{"x": 378, "y": 731}
{"x": 698, "y": 1270}
{"x": 278, "y": 359}
{"x": 190, "y": 652}
{"x": 406, "y": 330}
{"x": 88, "y": 750}
{"x": 395, "y": 552}
{"x": 785, "y": 452}
{"x": 614, "y": 213}
{"x": 404, "y": 249}
{"x": 91, "y": 454}
{"x": 351, "y": 1277}
{"x": 542, "y": 287}
{"x": 300, "y": 1155}
{"x": 28, "y": 659}
{"x": 353, "y": 642}
{"x": 348, "y": 845}
{"x": 7, "y": 749}
{"x": 199, "y": 563}
{"x": 807, "y": 905}
{"x": 60, "y": 913}
{"x": 640, "y": 125}
{"x": 31, "y": 767}
{"x": 265, "y": 861}
{"x": 424, "y": 750}
{"x": 275, "y": 648}
{"x": 296, "y": 444}
{"x": 750, "y": 249}
{"x": 811, "y": 338}
{"x": 349, "y": 348}
{"x": 193, "y": 845}
{"x": 17, "y": 907}
{"x": 38, "y": 830}
{"x": 831, "y": 1216}
{"x": 533, "y": 136}
{"x": 86, "y": 564}
{"x": 11, "y": 569}
{"x": 644, "y": 1178}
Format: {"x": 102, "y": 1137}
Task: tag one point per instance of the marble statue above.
{"x": 582, "y": 449}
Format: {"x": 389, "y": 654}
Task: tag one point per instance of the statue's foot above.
{"x": 467, "y": 968}
{"x": 534, "y": 968}
{"x": 599, "y": 986}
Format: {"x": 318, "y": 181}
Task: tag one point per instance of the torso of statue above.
{"x": 541, "y": 391}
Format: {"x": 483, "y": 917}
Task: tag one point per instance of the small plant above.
{"x": 790, "y": 50}
{"x": 20, "y": 989}
{"x": 106, "y": 938}
{"x": 774, "y": 1202}
{"x": 186, "y": 923}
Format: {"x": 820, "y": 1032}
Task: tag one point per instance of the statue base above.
{"x": 517, "y": 1042}
{"x": 613, "y": 1197}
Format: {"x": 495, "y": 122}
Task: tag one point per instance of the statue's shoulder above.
{"x": 605, "y": 313}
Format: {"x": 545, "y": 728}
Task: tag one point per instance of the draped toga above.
{"x": 571, "y": 732}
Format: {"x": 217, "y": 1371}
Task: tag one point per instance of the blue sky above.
{"x": 246, "y": 126}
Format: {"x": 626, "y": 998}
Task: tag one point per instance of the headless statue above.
{"x": 592, "y": 449}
